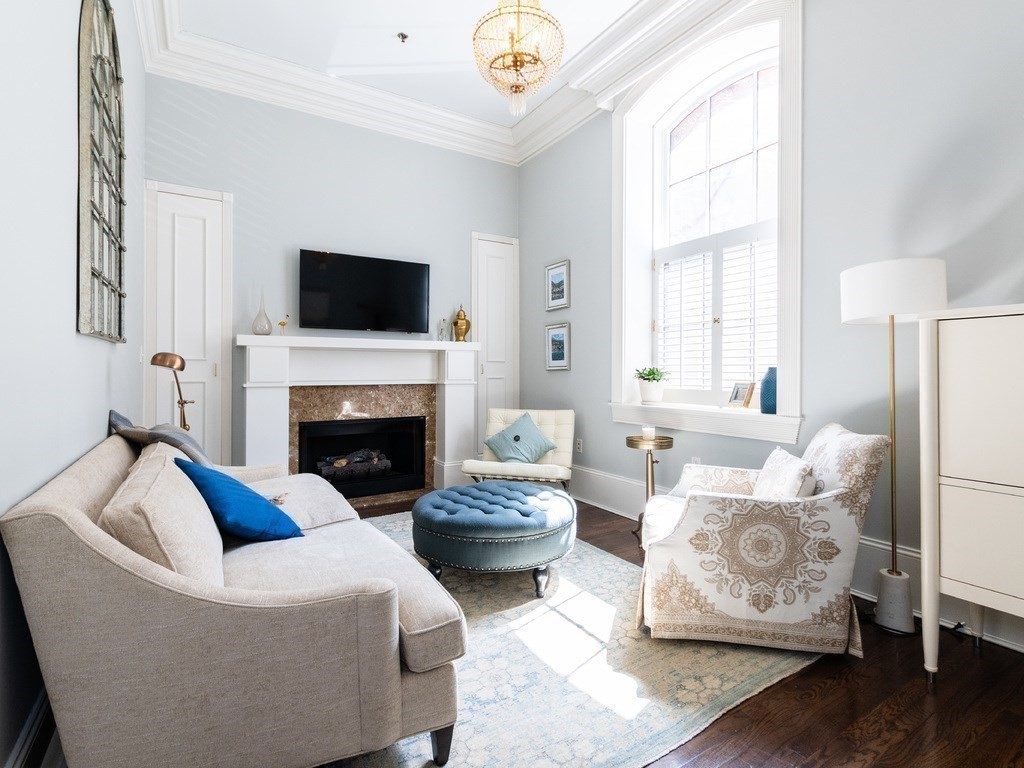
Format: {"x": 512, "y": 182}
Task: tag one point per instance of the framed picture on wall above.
{"x": 556, "y": 346}
{"x": 556, "y": 282}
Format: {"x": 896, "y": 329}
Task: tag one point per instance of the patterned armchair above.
{"x": 723, "y": 565}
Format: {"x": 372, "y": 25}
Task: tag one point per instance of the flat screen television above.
{"x": 359, "y": 293}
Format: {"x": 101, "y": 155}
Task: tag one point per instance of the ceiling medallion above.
{"x": 518, "y": 48}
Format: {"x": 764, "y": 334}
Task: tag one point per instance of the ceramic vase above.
{"x": 769, "y": 388}
{"x": 261, "y": 325}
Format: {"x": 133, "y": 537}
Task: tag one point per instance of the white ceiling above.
{"x": 358, "y": 42}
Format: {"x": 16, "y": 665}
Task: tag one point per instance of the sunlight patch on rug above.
{"x": 568, "y": 680}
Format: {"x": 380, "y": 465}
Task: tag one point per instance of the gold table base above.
{"x": 657, "y": 443}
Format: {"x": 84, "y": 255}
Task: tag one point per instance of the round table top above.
{"x": 659, "y": 443}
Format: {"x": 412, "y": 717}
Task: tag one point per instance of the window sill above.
{"x": 711, "y": 419}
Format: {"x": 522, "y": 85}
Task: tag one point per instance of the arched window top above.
{"x": 100, "y": 175}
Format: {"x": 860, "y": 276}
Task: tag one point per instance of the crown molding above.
{"x": 636, "y": 43}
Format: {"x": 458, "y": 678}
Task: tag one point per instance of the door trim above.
{"x": 474, "y": 302}
{"x": 224, "y": 372}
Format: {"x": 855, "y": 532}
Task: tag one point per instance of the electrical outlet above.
{"x": 695, "y": 460}
{"x": 579, "y": 445}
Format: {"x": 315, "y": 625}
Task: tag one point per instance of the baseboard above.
{"x": 35, "y": 736}
{"x": 625, "y": 497}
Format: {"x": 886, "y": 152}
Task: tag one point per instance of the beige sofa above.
{"x": 284, "y": 654}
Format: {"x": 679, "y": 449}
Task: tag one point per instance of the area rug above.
{"x": 568, "y": 680}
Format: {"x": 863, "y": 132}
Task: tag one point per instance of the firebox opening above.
{"x": 365, "y": 457}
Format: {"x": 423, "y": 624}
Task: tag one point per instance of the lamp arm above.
{"x": 182, "y": 402}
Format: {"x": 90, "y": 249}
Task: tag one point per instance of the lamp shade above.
{"x": 903, "y": 288}
{"x": 168, "y": 360}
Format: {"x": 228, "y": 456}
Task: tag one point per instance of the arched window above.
{"x": 100, "y": 176}
{"x": 706, "y": 257}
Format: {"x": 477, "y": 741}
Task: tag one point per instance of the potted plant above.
{"x": 652, "y": 384}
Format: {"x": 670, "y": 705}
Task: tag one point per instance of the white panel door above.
{"x": 496, "y": 324}
{"x": 188, "y": 285}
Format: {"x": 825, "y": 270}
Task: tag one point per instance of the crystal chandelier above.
{"x": 518, "y": 48}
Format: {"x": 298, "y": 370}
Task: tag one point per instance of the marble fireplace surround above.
{"x": 316, "y": 375}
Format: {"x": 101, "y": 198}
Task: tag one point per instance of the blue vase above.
{"x": 769, "y": 385}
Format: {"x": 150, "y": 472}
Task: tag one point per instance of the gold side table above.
{"x": 657, "y": 443}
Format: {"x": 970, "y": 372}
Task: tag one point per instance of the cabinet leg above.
{"x": 976, "y": 617}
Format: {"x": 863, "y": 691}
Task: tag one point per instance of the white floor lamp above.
{"x": 891, "y": 292}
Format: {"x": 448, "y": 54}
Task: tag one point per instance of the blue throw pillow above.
{"x": 238, "y": 509}
{"x": 520, "y": 442}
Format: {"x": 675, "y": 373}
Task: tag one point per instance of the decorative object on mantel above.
{"x": 175, "y": 363}
{"x": 443, "y": 334}
{"x": 261, "y": 324}
{"x": 556, "y": 346}
{"x": 518, "y": 48}
{"x": 556, "y": 281}
{"x": 741, "y": 393}
{"x": 892, "y": 291}
{"x": 461, "y": 325}
{"x": 652, "y": 384}
{"x": 769, "y": 390}
{"x": 282, "y": 324}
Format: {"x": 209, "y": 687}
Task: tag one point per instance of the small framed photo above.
{"x": 556, "y": 346}
{"x": 741, "y": 394}
{"x": 556, "y": 281}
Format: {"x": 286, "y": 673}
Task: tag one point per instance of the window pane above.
{"x": 688, "y": 145}
{"x": 767, "y": 106}
{"x": 768, "y": 183}
{"x": 685, "y": 321}
{"x": 687, "y": 206}
{"x": 732, "y": 194}
{"x": 732, "y": 121}
{"x": 749, "y": 312}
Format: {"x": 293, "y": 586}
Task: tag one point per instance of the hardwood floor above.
{"x": 842, "y": 711}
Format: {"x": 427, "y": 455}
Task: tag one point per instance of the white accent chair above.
{"x": 553, "y": 467}
{"x": 722, "y": 564}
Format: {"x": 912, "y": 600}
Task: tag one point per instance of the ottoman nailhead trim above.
{"x": 511, "y": 539}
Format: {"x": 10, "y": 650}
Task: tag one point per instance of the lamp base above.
{"x": 893, "y": 610}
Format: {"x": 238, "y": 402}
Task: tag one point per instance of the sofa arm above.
{"x": 255, "y": 473}
{"x": 147, "y": 667}
{"x": 704, "y": 477}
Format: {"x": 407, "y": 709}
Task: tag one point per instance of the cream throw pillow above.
{"x": 158, "y": 513}
{"x": 784, "y": 476}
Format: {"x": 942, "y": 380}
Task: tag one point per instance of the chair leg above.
{"x": 441, "y": 743}
{"x": 540, "y": 578}
{"x": 435, "y": 570}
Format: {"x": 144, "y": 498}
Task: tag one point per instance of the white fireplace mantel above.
{"x": 273, "y": 364}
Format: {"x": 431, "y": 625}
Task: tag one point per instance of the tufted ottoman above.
{"x": 494, "y": 526}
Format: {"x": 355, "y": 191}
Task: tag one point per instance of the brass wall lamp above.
{"x": 175, "y": 363}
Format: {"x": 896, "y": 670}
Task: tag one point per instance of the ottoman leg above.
{"x": 540, "y": 578}
{"x": 435, "y": 570}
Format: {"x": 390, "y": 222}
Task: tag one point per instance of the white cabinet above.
{"x": 972, "y": 465}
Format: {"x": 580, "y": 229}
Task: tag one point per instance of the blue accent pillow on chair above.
{"x": 238, "y": 509}
{"x": 520, "y": 442}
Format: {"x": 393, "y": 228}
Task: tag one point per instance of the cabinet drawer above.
{"x": 981, "y": 365}
{"x": 981, "y": 536}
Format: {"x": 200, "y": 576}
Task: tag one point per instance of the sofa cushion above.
{"x": 158, "y": 513}
{"x": 432, "y": 630}
{"x": 161, "y": 433}
{"x": 237, "y": 508}
{"x": 520, "y": 441}
{"x": 308, "y": 499}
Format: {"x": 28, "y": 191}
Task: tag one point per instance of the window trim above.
{"x": 633, "y": 196}
{"x": 113, "y": 238}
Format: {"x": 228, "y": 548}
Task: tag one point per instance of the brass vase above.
{"x": 461, "y": 325}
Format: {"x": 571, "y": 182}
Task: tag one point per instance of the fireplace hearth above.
{"x": 365, "y": 457}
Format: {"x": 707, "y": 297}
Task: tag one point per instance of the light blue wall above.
{"x": 913, "y": 146}
{"x": 56, "y": 386}
{"x": 301, "y": 181}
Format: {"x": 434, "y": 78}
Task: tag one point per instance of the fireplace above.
{"x": 365, "y": 457}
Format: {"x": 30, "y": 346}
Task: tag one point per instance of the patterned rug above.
{"x": 568, "y": 680}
